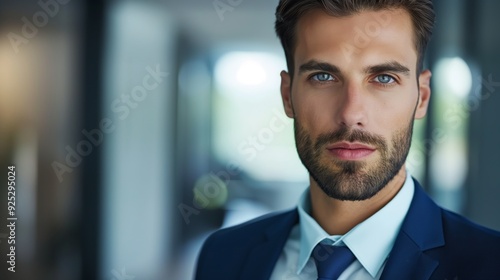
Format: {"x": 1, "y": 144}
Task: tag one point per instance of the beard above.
{"x": 352, "y": 180}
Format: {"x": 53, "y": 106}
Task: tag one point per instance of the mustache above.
{"x": 351, "y": 135}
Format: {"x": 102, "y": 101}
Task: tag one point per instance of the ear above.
{"x": 424, "y": 85}
{"x": 286, "y": 93}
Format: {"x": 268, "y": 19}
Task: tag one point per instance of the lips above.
{"x": 350, "y": 151}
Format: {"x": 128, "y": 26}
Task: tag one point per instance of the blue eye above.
{"x": 322, "y": 77}
{"x": 384, "y": 79}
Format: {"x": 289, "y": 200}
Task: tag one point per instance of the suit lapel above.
{"x": 407, "y": 261}
{"x": 262, "y": 259}
{"x": 422, "y": 230}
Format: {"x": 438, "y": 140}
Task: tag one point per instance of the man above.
{"x": 355, "y": 83}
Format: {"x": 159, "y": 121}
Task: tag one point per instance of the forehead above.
{"x": 367, "y": 37}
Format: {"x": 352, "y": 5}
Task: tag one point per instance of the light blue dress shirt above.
{"x": 370, "y": 241}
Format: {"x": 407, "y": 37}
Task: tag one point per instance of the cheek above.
{"x": 393, "y": 129}
{"x": 396, "y": 111}
{"x": 315, "y": 113}
{"x": 398, "y": 124}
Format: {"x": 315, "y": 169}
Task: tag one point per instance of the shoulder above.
{"x": 457, "y": 230}
{"x": 227, "y": 249}
{"x": 471, "y": 248}
{"x": 460, "y": 228}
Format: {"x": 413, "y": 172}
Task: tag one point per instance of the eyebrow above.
{"x": 314, "y": 65}
{"x": 391, "y": 66}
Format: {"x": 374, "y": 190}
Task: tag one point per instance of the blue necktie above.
{"x": 331, "y": 261}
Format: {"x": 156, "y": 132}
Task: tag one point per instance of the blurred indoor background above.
{"x": 139, "y": 127}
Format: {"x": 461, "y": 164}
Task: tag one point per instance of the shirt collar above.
{"x": 370, "y": 241}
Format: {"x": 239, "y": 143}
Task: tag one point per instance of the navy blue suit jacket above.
{"x": 433, "y": 243}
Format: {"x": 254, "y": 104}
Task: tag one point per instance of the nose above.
{"x": 352, "y": 107}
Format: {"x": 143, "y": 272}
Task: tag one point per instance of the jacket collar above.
{"x": 422, "y": 230}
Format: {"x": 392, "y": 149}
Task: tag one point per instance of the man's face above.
{"x": 354, "y": 96}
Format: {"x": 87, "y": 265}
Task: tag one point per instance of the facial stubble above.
{"x": 348, "y": 179}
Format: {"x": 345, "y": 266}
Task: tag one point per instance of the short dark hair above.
{"x": 289, "y": 12}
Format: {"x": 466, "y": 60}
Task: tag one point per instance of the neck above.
{"x": 337, "y": 217}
